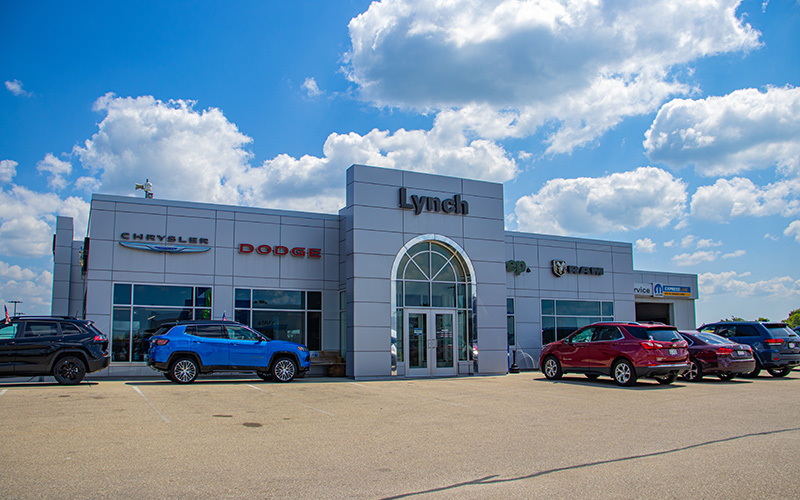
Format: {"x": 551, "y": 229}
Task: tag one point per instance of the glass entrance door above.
{"x": 431, "y": 343}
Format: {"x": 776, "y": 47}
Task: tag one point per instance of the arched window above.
{"x": 432, "y": 272}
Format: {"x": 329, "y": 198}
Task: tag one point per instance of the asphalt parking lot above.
{"x": 515, "y": 436}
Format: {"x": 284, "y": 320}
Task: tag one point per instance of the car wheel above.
{"x": 69, "y": 370}
{"x": 623, "y": 373}
{"x": 591, "y": 376}
{"x": 754, "y": 373}
{"x": 726, "y": 376}
{"x": 264, "y": 375}
{"x": 284, "y": 370}
{"x": 183, "y": 371}
{"x": 779, "y": 372}
{"x": 168, "y": 376}
{"x": 667, "y": 379}
{"x": 552, "y": 368}
{"x": 695, "y": 373}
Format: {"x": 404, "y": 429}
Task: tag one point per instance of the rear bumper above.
{"x": 659, "y": 370}
{"x": 98, "y": 364}
{"x": 774, "y": 359}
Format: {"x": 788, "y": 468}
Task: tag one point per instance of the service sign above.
{"x": 643, "y": 289}
{"x": 660, "y": 290}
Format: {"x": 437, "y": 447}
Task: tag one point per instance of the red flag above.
{"x": 8, "y": 318}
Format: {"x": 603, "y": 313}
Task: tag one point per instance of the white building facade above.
{"x": 414, "y": 277}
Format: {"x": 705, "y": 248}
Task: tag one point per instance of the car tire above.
{"x": 754, "y": 373}
{"x": 623, "y": 373}
{"x": 183, "y": 371}
{"x": 667, "y": 379}
{"x": 284, "y": 369}
{"x": 168, "y": 376}
{"x": 552, "y": 368}
{"x": 726, "y": 377}
{"x": 591, "y": 376}
{"x": 69, "y": 370}
{"x": 694, "y": 373}
{"x": 264, "y": 375}
{"x": 779, "y": 372}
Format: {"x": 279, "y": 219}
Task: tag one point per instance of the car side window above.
{"x": 746, "y": 331}
{"x": 606, "y": 333}
{"x": 8, "y": 331}
{"x": 70, "y": 329}
{"x": 240, "y": 333}
{"x": 206, "y": 331}
{"x": 40, "y": 329}
{"x": 582, "y": 336}
{"x": 725, "y": 331}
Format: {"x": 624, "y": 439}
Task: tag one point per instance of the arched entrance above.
{"x": 433, "y": 290}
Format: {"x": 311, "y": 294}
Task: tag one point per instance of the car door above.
{"x": 8, "y": 333}
{"x": 248, "y": 349}
{"x": 36, "y": 344}
{"x": 575, "y": 350}
{"x": 210, "y": 342}
{"x": 603, "y": 349}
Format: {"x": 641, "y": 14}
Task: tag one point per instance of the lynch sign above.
{"x": 454, "y": 205}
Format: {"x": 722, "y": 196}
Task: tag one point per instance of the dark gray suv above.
{"x": 775, "y": 346}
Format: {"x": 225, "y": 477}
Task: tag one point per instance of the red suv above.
{"x": 623, "y": 351}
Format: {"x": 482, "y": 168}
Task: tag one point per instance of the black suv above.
{"x": 775, "y": 346}
{"x": 66, "y": 348}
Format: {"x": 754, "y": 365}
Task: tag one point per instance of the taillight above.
{"x": 724, "y": 350}
{"x": 99, "y": 338}
{"x": 161, "y": 341}
{"x": 773, "y": 342}
{"x": 650, "y": 344}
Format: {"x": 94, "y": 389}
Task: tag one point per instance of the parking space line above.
{"x": 3, "y": 391}
{"x": 151, "y": 404}
{"x": 292, "y": 400}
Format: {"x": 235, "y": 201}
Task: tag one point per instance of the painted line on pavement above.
{"x": 292, "y": 400}
{"x": 151, "y": 404}
{"x": 3, "y": 391}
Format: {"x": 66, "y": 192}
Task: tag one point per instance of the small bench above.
{"x": 332, "y": 361}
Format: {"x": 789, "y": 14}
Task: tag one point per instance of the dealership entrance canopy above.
{"x": 415, "y": 277}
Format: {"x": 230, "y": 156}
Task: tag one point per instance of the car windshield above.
{"x": 710, "y": 338}
{"x": 779, "y": 330}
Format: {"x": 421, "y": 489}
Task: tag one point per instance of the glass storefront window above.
{"x": 562, "y": 317}
{"x": 293, "y": 315}
{"x": 510, "y": 330}
{"x": 139, "y": 310}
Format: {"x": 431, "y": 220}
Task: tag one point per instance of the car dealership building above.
{"x": 415, "y": 277}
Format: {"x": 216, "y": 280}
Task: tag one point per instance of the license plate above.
{"x": 673, "y": 352}
{"x": 741, "y": 353}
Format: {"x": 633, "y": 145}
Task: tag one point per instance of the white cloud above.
{"x": 670, "y": 244}
{"x": 644, "y": 245}
{"x": 200, "y": 156}
{"x": 793, "y": 230}
{"x": 730, "y": 282}
{"x": 27, "y": 220}
{"x": 15, "y": 87}
{"x": 727, "y": 135}
{"x": 739, "y": 197}
{"x": 32, "y": 287}
{"x": 708, "y": 243}
{"x": 688, "y": 240}
{"x": 641, "y": 198}
{"x": 57, "y": 170}
{"x": 691, "y": 259}
{"x": 737, "y": 253}
{"x": 8, "y": 169}
{"x": 581, "y": 66}
{"x": 311, "y": 88}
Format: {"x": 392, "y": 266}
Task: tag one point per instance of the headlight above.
{"x": 302, "y": 348}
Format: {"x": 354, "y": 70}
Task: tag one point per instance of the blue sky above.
{"x": 673, "y": 125}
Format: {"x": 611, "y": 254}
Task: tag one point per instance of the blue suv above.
{"x": 775, "y": 346}
{"x": 185, "y": 349}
